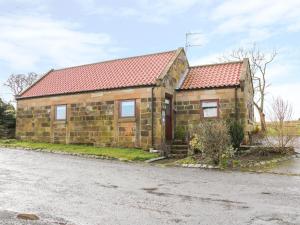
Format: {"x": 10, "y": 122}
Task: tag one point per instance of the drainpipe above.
{"x": 236, "y": 102}
{"x": 152, "y": 120}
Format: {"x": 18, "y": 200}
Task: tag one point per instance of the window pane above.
{"x": 61, "y": 112}
{"x": 210, "y": 112}
{"x": 209, "y": 104}
{"x": 127, "y": 109}
{"x": 168, "y": 107}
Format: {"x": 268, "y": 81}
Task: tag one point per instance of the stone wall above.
{"x": 91, "y": 122}
{"x": 188, "y": 106}
{"x": 247, "y": 95}
{"x": 146, "y": 122}
{"x": 92, "y": 118}
{"x": 34, "y": 123}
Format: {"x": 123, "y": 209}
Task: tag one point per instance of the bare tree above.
{"x": 19, "y": 82}
{"x": 259, "y": 62}
{"x": 280, "y": 114}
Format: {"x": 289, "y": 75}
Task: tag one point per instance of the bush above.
{"x": 256, "y": 130}
{"x": 180, "y": 133}
{"x": 211, "y": 138}
{"x": 226, "y": 157}
{"x": 236, "y": 133}
{"x": 7, "y": 120}
{"x": 282, "y": 135}
{"x": 196, "y": 145}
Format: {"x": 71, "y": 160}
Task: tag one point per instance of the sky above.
{"x": 37, "y": 35}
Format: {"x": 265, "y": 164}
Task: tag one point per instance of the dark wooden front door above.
{"x": 168, "y": 103}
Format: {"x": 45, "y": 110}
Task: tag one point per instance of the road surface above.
{"x": 62, "y": 189}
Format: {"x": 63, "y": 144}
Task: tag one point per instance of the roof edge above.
{"x": 183, "y": 78}
{"x": 244, "y": 70}
{"x": 212, "y": 87}
{"x": 169, "y": 65}
{"x": 86, "y": 91}
{"x": 34, "y": 83}
{"x": 216, "y": 64}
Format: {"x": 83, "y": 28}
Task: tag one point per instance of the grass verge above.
{"x": 126, "y": 154}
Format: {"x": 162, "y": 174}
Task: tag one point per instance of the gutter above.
{"x": 236, "y": 102}
{"x": 152, "y": 116}
{"x": 84, "y": 92}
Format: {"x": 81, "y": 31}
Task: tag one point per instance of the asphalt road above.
{"x": 62, "y": 189}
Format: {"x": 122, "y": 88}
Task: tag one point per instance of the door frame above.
{"x": 169, "y": 136}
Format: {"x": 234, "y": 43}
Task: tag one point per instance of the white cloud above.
{"x": 237, "y": 16}
{"x": 26, "y": 41}
{"x": 256, "y": 35}
{"x": 196, "y": 39}
{"x": 151, "y": 11}
{"x": 287, "y": 92}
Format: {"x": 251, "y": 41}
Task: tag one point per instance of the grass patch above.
{"x": 187, "y": 160}
{"x": 195, "y": 159}
{"x": 289, "y": 129}
{"x": 129, "y": 154}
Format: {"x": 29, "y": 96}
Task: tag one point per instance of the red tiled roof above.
{"x": 127, "y": 72}
{"x": 215, "y": 75}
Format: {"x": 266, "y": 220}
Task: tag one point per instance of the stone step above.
{"x": 177, "y": 156}
{"x": 180, "y": 142}
{"x": 179, "y": 146}
{"x": 179, "y": 151}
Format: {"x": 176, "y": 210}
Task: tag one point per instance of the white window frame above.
{"x": 121, "y": 109}
{"x": 56, "y": 113}
{"x": 215, "y": 107}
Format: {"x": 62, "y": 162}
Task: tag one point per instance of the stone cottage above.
{"x": 133, "y": 102}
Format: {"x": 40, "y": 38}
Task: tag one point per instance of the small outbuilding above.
{"x": 133, "y": 102}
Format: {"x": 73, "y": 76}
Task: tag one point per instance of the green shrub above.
{"x": 236, "y": 163}
{"x": 7, "y": 120}
{"x": 226, "y": 157}
{"x": 236, "y": 133}
{"x": 211, "y": 139}
{"x": 256, "y": 130}
{"x": 180, "y": 133}
{"x": 196, "y": 145}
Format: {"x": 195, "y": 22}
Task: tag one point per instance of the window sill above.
{"x": 126, "y": 119}
{"x": 60, "y": 121}
{"x": 208, "y": 118}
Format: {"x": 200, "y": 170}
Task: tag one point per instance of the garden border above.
{"x": 261, "y": 163}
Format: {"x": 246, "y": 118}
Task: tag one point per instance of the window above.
{"x": 127, "y": 108}
{"x": 61, "y": 112}
{"x": 210, "y": 108}
{"x": 168, "y": 107}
